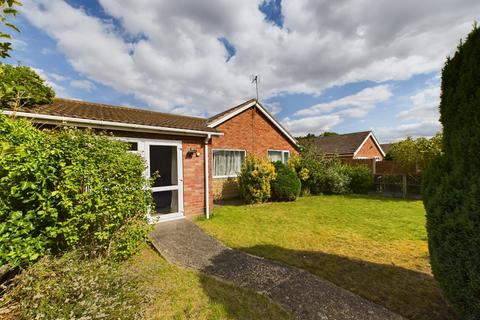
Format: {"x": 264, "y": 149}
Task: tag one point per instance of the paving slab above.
{"x": 303, "y": 294}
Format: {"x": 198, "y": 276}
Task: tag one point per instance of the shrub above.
{"x": 361, "y": 178}
{"x": 308, "y": 168}
{"x": 286, "y": 186}
{"x": 321, "y": 175}
{"x": 334, "y": 179}
{"x": 65, "y": 189}
{"x": 72, "y": 287}
{"x": 254, "y": 179}
{"x": 416, "y": 154}
{"x": 21, "y": 86}
{"x": 451, "y": 184}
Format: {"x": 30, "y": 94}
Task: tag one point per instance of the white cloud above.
{"x": 356, "y": 105}
{"x": 177, "y": 60}
{"x": 415, "y": 130}
{"x": 317, "y": 124}
{"x": 273, "y": 107}
{"x": 424, "y": 105}
{"x": 58, "y": 77}
{"x": 59, "y": 89}
{"x": 84, "y": 85}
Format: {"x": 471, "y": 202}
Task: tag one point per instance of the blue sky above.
{"x": 324, "y": 66}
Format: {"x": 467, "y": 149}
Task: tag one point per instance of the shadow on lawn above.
{"x": 414, "y": 295}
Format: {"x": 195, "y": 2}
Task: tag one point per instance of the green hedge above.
{"x": 361, "y": 178}
{"x": 451, "y": 184}
{"x": 321, "y": 175}
{"x": 65, "y": 189}
{"x": 286, "y": 186}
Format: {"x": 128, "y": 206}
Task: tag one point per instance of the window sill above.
{"x": 225, "y": 177}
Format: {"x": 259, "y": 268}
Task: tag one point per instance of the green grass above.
{"x": 375, "y": 247}
{"x": 144, "y": 287}
{"x": 182, "y": 294}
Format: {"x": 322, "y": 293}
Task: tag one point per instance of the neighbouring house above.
{"x": 196, "y": 158}
{"x": 356, "y": 145}
{"x": 386, "y": 147}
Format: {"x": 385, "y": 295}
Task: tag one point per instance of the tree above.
{"x": 20, "y": 86}
{"x": 451, "y": 188}
{"x": 328, "y": 134}
{"x": 416, "y": 154}
{"x": 7, "y": 10}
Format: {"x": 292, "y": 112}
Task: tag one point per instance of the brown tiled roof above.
{"x": 228, "y": 111}
{"x": 340, "y": 144}
{"x": 104, "y": 112}
{"x": 386, "y": 147}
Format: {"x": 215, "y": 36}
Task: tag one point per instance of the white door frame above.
{"x": 144, "y": 152}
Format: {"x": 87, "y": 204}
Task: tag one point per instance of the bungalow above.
{"x": 196, "y": 158}
{"x": 356, "y": 145}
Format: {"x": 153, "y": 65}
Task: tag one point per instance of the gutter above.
{"x": 207, "y": 173}
{"x": 110, "y": 124}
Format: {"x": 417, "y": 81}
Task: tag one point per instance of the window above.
{"x": 227, "y": 163}
{"x": 278, "y": 155}
{"x": 133, "y": 146}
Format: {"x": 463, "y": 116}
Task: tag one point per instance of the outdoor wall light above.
{"x": 193, "y": 151}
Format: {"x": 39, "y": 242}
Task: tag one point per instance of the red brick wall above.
{"x": 250, "y": 131}
{"x": 253, "y": 132}
{"x": 369, "y": 150}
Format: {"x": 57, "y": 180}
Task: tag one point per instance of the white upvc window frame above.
{"x": 143, "y": 147}
{"x": 213, "y": 162}
{"x": 140, "y": 144}
{"x": 283, "y": 154}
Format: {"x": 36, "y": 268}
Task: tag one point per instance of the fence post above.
{"x": 404, "y": 186}
{"x": 374, "y": 166}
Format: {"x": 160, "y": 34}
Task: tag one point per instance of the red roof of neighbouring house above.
{"x": 342, "y": 144}
{"x": 386, "y": 147}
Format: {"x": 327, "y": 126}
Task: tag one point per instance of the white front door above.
{"x": 164, "y": 164}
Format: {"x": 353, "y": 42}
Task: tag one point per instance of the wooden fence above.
{"x": 391, "y": 179}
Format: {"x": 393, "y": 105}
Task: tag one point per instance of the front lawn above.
{"x": 144, "y": 287}
{"x": 375, "y": 247}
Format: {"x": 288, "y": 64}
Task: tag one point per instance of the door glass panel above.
{"x": 166, "y": 201}
{"x": 163, "y": 161}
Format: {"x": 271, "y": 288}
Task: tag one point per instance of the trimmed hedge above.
{"x": 65, "y": 189}
{"x": 286, "y": 186}
{"x": 451, "y": 188}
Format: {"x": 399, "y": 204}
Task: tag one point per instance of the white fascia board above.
{"x": 231, "y": 115}
{"x": 254, "y": 103}
{"x": 111, "y": 125}
{"x": 365, "y": 140}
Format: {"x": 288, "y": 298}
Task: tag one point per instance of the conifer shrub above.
{"x": 287, "y": 185}
{"x": 451, "y": 188}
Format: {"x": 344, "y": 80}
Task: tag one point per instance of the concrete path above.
{"x": 304, "y": 295}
